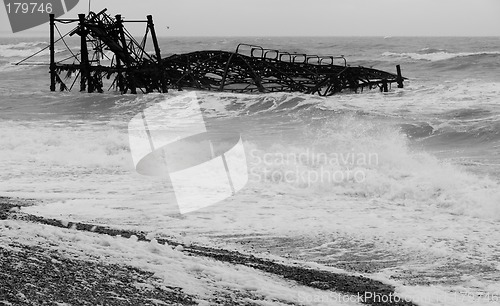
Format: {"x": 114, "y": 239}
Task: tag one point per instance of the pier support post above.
{"x": 84, "y": 53}
{"x": 158, "y": 53}
{"x": 130, "y": 76}
{"x": 52, "y": 55}
{"x": 399, "y": 79}
{"x": 385, "y": 87}
{"x": 119, "y": 81}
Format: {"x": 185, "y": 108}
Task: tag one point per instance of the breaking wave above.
{"x": 8, "y": 52}
{"x": 434, "y": 55}
{"x": 22, "y": 49}
{"x": 376, "y": 162}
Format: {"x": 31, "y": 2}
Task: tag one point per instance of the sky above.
{"x": 299, "y": 17}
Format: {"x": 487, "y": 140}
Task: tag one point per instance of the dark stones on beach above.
{"x": 27, "y": 271}
{"x": 34, "y": 276}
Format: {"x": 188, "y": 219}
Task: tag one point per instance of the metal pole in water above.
{"x": 399, "y": 80}
{"x": 52, "y": 55}
{"x": 158, "y": 52}
{"x": 84, "y": 69}
{"x": 384, "y": 87}
{"x": 130, "y": 73}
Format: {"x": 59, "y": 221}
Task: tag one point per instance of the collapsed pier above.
{"x": 256, "y": 69}
{"x": 109, "y": 52}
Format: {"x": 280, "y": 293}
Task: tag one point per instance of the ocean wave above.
{"x": 24, "y": 45}
{"x": 467, "y": 114}
{"x": 467, "y": 134}
{"x": 431, "y": 50}
{"x": 465, "y": 127}
{"x": 416, "y": 130}
{"x": 10, "y": 67}
{"x": 361, "y": 159}
{"x": 253, "y": 105}
{"x": 25, "y": 49}
{"x": 439, "y": 55}
{"x": 460, "y": 118}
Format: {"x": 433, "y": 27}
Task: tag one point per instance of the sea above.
{"x": 402, "y": 186}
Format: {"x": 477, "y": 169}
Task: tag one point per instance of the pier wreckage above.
{"x": 109, "y": 52}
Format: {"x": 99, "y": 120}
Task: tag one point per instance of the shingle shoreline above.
{"x": 382, "y": 294}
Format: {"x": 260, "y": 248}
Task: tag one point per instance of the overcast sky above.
{"x": 301, "y": 17}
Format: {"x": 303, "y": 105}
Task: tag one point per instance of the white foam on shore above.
{"x": 203, "y": 278}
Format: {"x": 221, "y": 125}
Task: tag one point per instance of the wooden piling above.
{"x": 85, "y": 80}
{"x": 52, "y": 55}
{"x": 399, "y": 79}
{"x": 119, "y": 78}
{"x": 130, "y": 76}
{"x": 151, "y": 27}
{"x": 385, "y": 87}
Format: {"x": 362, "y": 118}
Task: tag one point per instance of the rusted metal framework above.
{"x": 256, "y": 69}
{"x": 130, "y": 65}
{"x": 108, "y": 51}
